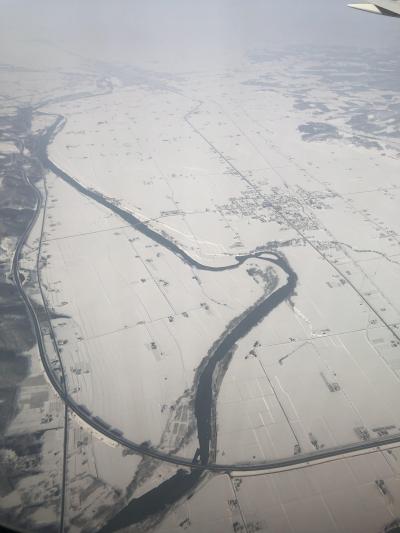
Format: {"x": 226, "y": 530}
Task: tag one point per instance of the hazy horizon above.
{"x": 181, "y": 35}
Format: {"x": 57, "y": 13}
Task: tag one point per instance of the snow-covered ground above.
{"x": 137, "y": 321}
{"x": 206, "y": 166}
{"x": 272, "y": 156}
{"x": 358, "y": 494}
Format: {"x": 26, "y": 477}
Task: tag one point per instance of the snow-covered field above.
{"x": 358, "y": 494}
{"x": 206, "y": 167}
{"x": 138, "y": 321}
{"x": 272, "y": 156}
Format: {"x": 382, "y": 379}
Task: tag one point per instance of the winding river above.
{"x": 182, "y": 483}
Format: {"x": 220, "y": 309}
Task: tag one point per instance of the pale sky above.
{"x": 192, "y": 31}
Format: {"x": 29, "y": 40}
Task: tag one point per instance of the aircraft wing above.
{"x": 390, "y": 8}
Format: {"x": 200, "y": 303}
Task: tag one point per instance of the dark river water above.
{"x": 182, "y": 483}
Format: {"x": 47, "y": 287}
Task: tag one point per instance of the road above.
{"x": 60, "y": 384}
{"x": 82, "y": 413}
{"x": 38, "y": 332}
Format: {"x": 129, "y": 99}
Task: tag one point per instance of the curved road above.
{"x": 82, "y": 413}
{"x": 38, "y": 332}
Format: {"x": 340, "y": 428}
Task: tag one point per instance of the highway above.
{"x": 60, "y": 384}
{"x": 84, "y": 415}
{"x": 113, "y": 434}
{"x": 37, "y": 330}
